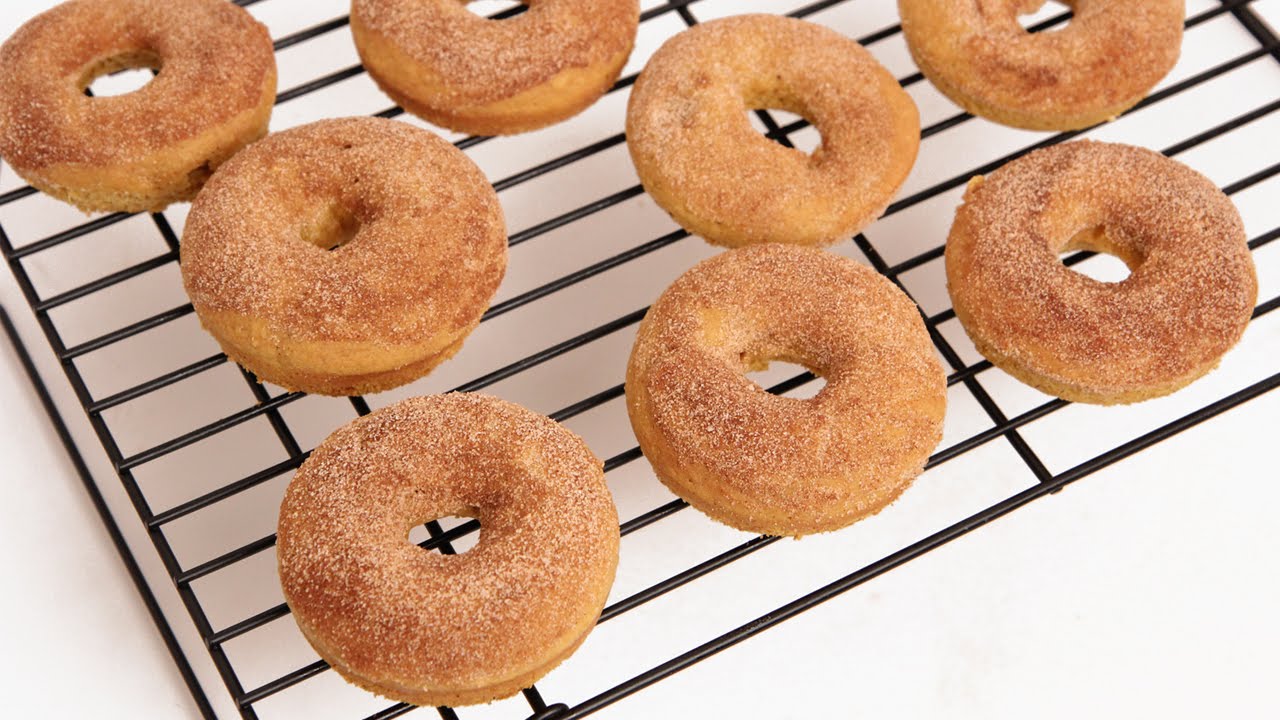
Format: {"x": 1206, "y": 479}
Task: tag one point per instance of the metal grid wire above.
{"x": 20, "y": 251}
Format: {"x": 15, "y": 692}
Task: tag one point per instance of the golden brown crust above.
{"x": 427, "y": 254}
{"x": 771, "y": 464}
{"x": 431, "y": 629}
{"x": 338, "y": 382}
{"x": 701, "y": 160}
{"x": 1186, "y": 302}
{"x": 451, "y": 698}
{"x": 1102, "y": 63}
{"x": 467, "y": 73}
{"x": 145, "y": 149}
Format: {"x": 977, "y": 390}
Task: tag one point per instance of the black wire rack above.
{"x": 149, "y": 470}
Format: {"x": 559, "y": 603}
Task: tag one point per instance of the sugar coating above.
{"x": 1103, "y": 61}
{"x": 395, "y": 615}
{"x": 700, "y": 158}
{"x": 215, "y": 62}
{"x": 476, "y": 60}
{"x": 428, "y": 253}
{"x": 1186, "y": 302}
{"x": 822, "y": 462}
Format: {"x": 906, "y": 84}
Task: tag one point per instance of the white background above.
{"x": 1146, "y": 589}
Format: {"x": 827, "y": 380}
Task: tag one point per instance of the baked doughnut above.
{"x": 345, "y": 256}
{"x": 771, "y": 464}
{"x": 494, "y": 77}
{"x": 700, "y": 159}
{"x": 1102, "y": 63}
{"x": 148, "y": 148}
{"x": 1188, "y": 298}
{"x": 433, "y": 629}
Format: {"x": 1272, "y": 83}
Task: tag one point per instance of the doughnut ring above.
{"x": 433, "y": 629}
{"x": 145, "y": 149}
{"x": 702, "y": 162}
{"x": 494, "y": 77}
{"x": 1102, "y": 63}
{"x": 345, "y": 256}
{"x": 771, "y": 464}
{"x": 1187, "y": 301}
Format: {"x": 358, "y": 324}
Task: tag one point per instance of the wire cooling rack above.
{"x": 203, "y": 452}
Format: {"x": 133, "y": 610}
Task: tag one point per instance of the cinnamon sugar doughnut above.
{"x": 779, "y": 465}
{"x": 1102, "y": 63}
{"x": 148, "y": 148}
{"x": 1187, "y": 301}
{"x": 701, "y": 160}
{"x": 494, "y": 77}
{"x": 433, "y": 629}
{"x": 345, "y": 256}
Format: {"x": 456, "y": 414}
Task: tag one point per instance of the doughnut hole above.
{"x": 1109, "y": 261}
{"x": 333, "y": 227}
{"x": 488, "y": 8}
{"x": 419, "y": 532}
{"x": 120, "y": 74}
{"x": 805, "y": 142}
{"x": 1030, "y": 13}
{"x": 775, "y": 377}
{"x": 770, "y": 106}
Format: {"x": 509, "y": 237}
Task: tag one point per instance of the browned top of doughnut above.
{"x": 865, "y": 435}
{"x": 429, "y": 252}
{"x": 216, "y": 62}
{"x": 1188, "y": 299}
{"x": 687, "y": 122}
{"x": 481, "y": 60}
{"x": 403, "y": 616}
{"x": 1111, "y": 51}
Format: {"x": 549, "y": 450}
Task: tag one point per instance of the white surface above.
{"x": 77, "y": 640}
{"x": 1144, "y": 589}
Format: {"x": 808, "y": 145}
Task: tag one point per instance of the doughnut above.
{"x": 1101, "y": 64}
{"x": 494, "y": 77}
{"x": 777, "y": 465}
{"x": 145, "y": 149}
{"x": 701, "y": 161}
{"x": 1188, "y": 298}
{"x": 432, "y": 629}
{"x": 346, "y": 256}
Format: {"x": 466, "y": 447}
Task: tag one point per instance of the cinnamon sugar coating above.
{"x": 426, "y": 252}
{"x": 428, "y": 628}
{"x": 772, "y": 464}
{"x": 1187, "y": 301}
{"x": 471, "y": 74}
{"x": 1103, "y": 62}
{"x": 700, "y": 159}
{"x": 144, "y": 149}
